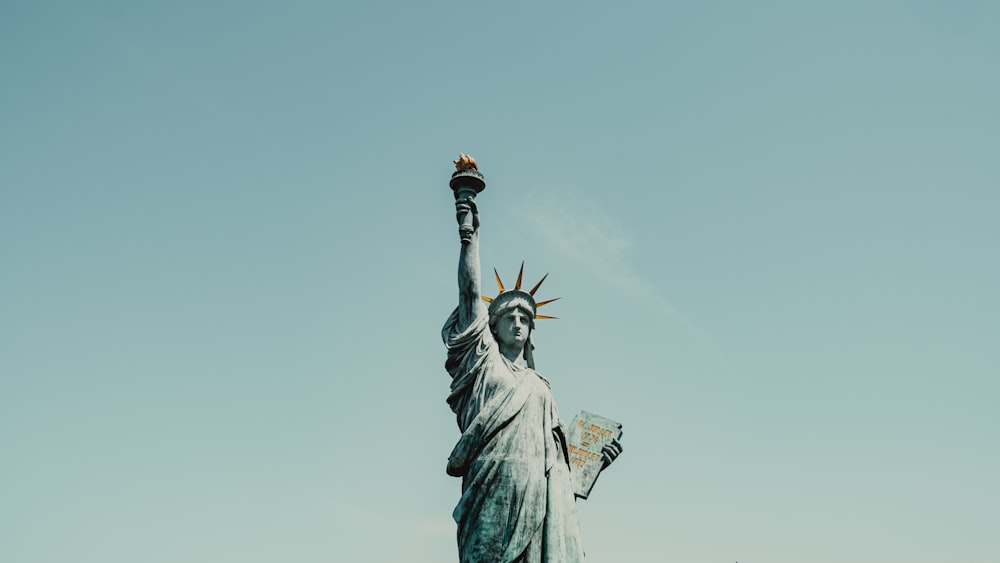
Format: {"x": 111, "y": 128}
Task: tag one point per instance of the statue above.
{"x": 518, "y": 501}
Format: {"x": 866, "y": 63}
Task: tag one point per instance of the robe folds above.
{"x": 517, "y": 501}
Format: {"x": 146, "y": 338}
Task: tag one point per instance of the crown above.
{"x": 508, "y": 295}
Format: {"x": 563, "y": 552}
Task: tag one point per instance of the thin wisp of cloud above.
{"x": 595, "y": 241}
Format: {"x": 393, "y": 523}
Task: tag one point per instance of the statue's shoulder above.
{"x": 545, "y": 381}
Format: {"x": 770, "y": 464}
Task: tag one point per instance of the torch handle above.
{"x": 466, "y": 227}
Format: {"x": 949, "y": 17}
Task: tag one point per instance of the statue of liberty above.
{"x": 518, "y": 503}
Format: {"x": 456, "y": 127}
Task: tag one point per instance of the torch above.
{"x": 466, "y": 182}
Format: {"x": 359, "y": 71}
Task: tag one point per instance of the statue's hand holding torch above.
{"x": 467, "y": 214}
{"x": 466, "y": 182}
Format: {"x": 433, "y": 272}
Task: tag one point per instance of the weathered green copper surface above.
{"x": 518, "y": 502}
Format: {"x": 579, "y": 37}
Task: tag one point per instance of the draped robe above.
{"x": 517, "y": 501}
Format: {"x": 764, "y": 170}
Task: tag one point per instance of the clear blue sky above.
{"x": 228, "y": 246}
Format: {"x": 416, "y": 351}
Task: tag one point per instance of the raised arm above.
{"x": 469, "y": 302}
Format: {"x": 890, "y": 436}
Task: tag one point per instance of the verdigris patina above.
{"x": 518, "y": 502}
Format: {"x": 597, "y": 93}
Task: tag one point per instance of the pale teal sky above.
{"x": 228, "y": 247}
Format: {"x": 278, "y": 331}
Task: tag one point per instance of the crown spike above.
{"x": 499, "y": 283}
{"x": 545, "y": 317}
{"x": 487, "y": 299}
{"x": 546, "y": 302}
{"x": 520, "y": 274}
{"x": 537, "y": 285}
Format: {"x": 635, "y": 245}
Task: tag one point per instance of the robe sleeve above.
{"x": 468, "y": 349}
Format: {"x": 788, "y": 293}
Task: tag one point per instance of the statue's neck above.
{"x": 512, "y": 353}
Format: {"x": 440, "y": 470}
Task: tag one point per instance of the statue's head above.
{"x": 513, "y": 313}
{"x": 513, "y": 318}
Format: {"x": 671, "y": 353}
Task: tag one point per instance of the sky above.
{"x": 228, "y": 247}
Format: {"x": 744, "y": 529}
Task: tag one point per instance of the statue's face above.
{"x": 513, "y": 328}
